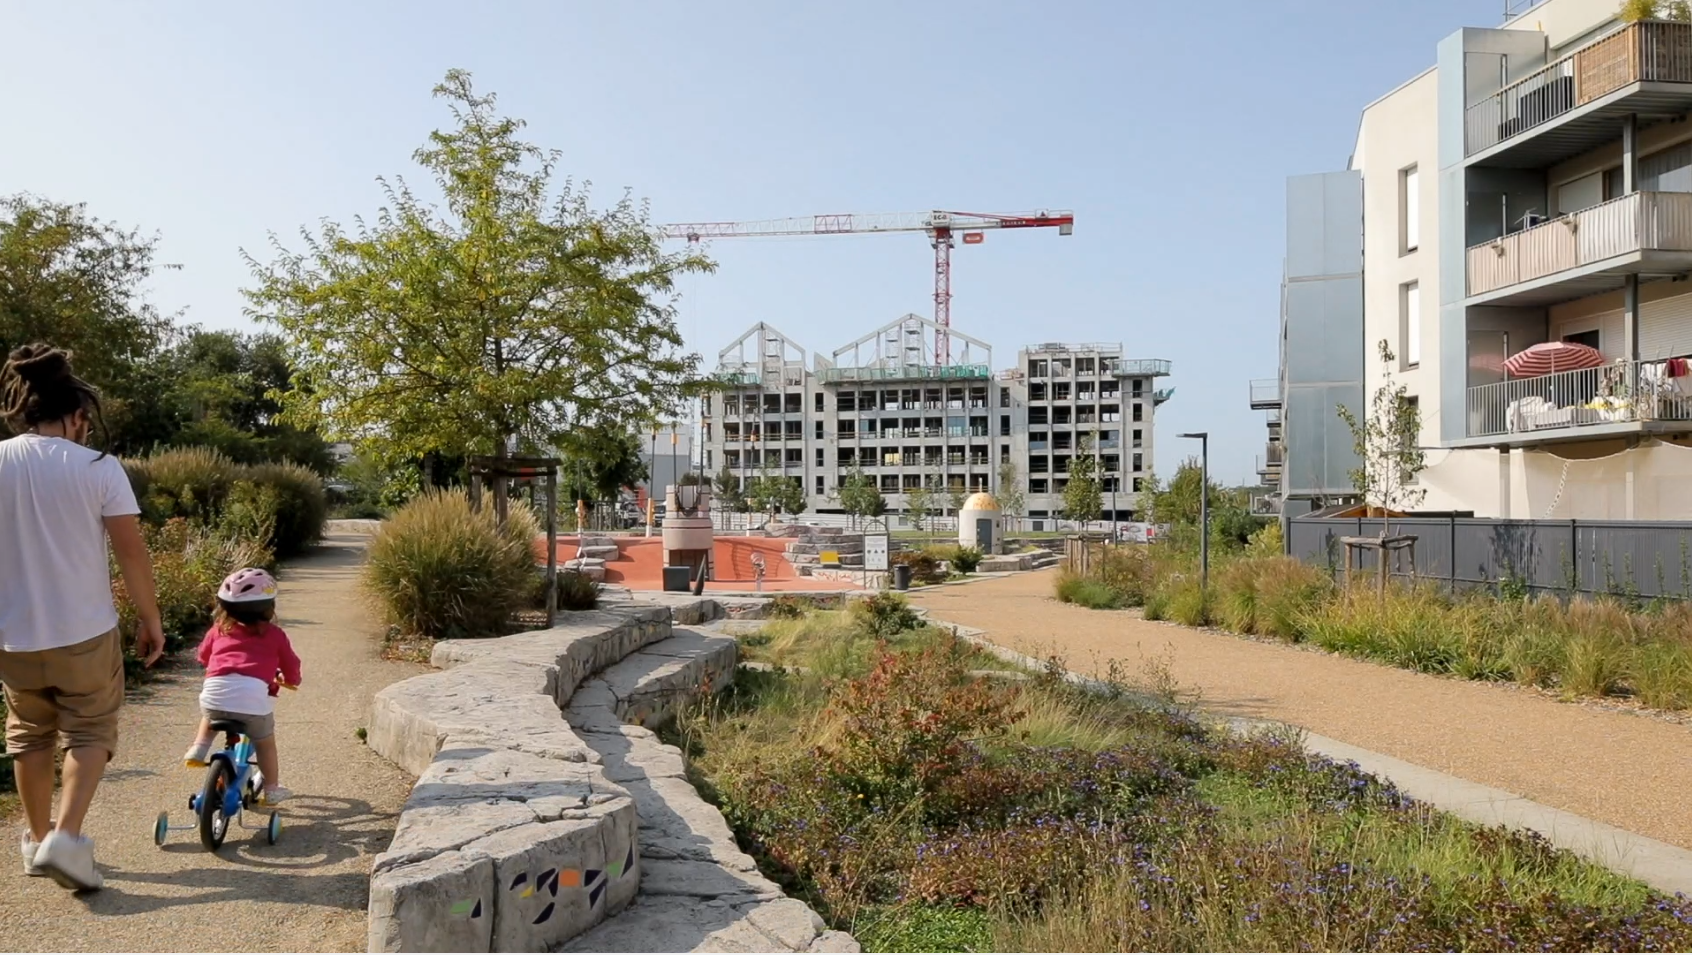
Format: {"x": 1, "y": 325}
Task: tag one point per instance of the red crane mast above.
{"x": 939, "y": 225}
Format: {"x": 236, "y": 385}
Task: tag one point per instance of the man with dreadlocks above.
{"x": 61, "y": 663}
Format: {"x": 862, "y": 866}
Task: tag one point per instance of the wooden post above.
{"x": 551, "y": 547}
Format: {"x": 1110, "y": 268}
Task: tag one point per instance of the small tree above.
{"x": 1388, "y": 445}
{"x": 729, "y": 492}
{"x": 1010, "y": 490}
{"x": 919, "y": 501}
{"x": 955, "y": 497}
{"x": 774, "y": 494}
{"x": 859, "y": 496}
{"x": 1083, "y": 497}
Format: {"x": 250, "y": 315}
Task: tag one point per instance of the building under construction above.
{"x": 913, "y": 404}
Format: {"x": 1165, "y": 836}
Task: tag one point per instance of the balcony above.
{"x": 1265, "y": 394}
{"x": 1586, "y": 252}
{"x": 1130, "y": 367}
{"x": 1578, "y": 102}
{"x": 1621, "y": 398}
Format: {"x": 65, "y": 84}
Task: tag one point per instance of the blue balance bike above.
{"x": 233, "y": 784}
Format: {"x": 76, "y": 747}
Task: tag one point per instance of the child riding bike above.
{"x": 247, "y": 659}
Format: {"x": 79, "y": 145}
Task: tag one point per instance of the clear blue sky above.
{"x": 1169, "y": 131}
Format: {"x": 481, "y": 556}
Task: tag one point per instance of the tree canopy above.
{"x": 1083, "y": 496}
{"x": 515, "y": 311}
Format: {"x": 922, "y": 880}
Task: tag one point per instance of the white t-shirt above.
{"x": 55, "y": 581}
{"x": 234, "y": 693}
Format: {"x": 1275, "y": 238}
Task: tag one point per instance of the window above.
{"x": 794, "y": 456}
{"x": 1137, "y": 437}
{"x": 1139, "y": 462}
{"x": 1037, "y": 486}
{"x": 1137, "y": 482}
{"x": 819, "y": 403}
{"x": 819, "y": 457}
{"x": 708, "y": 457}
{"x": 1139, "y": 413}
{"x": 1667, "y": 171}
{"x": 1413, "y": 406}
{"x": 731, "y": 404}
{"x": 1409, "y": 209}
{"x": 846, "y": 401}
{"x": 1036, "y": 415}
{"x": 1084, "y": 366}
{"x": 819, "y": 431}
{"x": 1004, "y": 397}
{"x": 1004, "y": 425}
{"x": 1410, "y": 324}
{"x": 819, "y": 484}
{"x": 705, "y": 405}
{"x": 847, "y": 429}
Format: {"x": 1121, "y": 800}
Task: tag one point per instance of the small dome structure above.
{"x": 981, "y": 523}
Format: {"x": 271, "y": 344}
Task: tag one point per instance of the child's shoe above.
{"x": 274, "y": 795}
{"x": 196, "y": 756}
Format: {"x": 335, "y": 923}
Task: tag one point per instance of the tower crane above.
{"x": 940, "y": 226}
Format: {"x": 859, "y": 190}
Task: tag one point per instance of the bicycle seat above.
{"x": 231, "y": 727}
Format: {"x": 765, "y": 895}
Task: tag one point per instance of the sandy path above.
{"x": 306, "y": 893}
{"x": 1629, "y": 771}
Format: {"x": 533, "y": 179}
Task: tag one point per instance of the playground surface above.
{"x": 640, "y": 565}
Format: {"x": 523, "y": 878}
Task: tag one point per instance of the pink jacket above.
{"x": 258, "y": 651}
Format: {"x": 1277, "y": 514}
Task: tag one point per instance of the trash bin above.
{"x": 678, "y": 579}
{"x": 901, "y": 576}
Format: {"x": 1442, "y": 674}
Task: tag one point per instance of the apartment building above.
{"x": 888, "y": 406}
{"x": 1533, "y": 186}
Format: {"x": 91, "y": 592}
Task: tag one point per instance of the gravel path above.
{"x": 1634, "y": 772}
{"x": 306, "y": 893}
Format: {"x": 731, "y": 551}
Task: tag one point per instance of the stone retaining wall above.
{"x": 542, "y": 806}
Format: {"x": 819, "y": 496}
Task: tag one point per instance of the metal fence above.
{"x": 1646, "y": 559}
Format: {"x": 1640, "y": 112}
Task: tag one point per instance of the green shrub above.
{"x": 789, "y": 607}
{"x": 884, "y": 614}
{"x": 1660, "y": 673}
{"x": 576, "y": 591}
{"x": 1287, "y": 589}
{"x": 441, "y": 570}
{"x": 301, "y": 504}
{"x": 925, "y": 567}
{"x": 1129, "y": 571}
{"x": 966, "y": 559}
{"x": 1189, "y": 602}
{"x": 1086, "y": 592}
{"x": 190, "y": 483}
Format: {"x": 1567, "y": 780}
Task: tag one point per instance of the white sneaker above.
{"x": 274, "y": 795}
{"x": 29, "y": 847}
{"x": 69, "y": 861}
{"x": 195, "y": 758}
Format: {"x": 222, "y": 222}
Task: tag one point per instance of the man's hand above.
{"x": 149, "y": 642}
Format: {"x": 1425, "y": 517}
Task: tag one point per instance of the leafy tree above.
{"x": 919, "y": 503}
{"x": 1083, "y": 496}
{"x": 859, "y": 496}
{"x": 223, "y": 392}
{"x": 597, "y": 463}
{"x": 1388, "y": 445}
{"x": 727, "y": 485}
{"x": 1010, "y": 496}
{"x": 71, "y": 280}
{"x": 1231, "y": 520}
{"x": 775, "y": 494}
{"x": 507, "y": 313}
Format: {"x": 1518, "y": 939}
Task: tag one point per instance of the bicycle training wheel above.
{"x": 214, "y": 824}
{"x": 273, "y": 831}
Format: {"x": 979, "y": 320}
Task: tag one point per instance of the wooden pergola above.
{"x": 496, "y": 471}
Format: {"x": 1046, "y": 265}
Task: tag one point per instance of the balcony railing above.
{"x": 1265, "y": 393}
{"x": 1126, "y": 367}
{"x": 907, "y": 373}
{"x": 1650, "y": 50}
{"x": 1621, "y": 392}
{"x": 1658, "y": 221}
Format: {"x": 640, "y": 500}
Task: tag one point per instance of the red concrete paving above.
{"x": 640, "y": 561}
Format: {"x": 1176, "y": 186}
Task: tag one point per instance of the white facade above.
{"x": 885, "y": 406}
{"x": 1529, "y": 189}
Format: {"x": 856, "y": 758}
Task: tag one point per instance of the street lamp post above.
{"x": 1204, "y": 505}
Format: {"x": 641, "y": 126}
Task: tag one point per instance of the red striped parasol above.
{"x": 1551, "y": 357}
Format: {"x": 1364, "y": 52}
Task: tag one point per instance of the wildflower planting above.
{"x": 925, "y": 808}
{"x": 1605, "y": 647}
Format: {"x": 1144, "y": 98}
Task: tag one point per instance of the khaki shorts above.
{"x": 70, "y": 692}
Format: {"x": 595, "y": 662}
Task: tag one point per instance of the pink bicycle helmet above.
{"x": 247, "y": 585}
